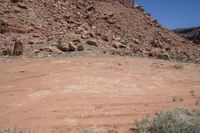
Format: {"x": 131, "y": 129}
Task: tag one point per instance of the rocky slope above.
{"x": 192, "y": 34}
{"x": 105, "y": 26}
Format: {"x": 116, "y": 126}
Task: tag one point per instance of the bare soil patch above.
{"x": 71, "y": 94}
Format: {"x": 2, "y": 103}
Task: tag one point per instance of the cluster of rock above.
{"x": 57, "y": 26}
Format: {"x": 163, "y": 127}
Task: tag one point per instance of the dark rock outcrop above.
{"x": 192, "y": 34}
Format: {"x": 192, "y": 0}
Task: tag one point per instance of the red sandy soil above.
{"x": 70, "y": 94}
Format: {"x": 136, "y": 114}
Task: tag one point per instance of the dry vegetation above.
{"x": 173, "y": 121}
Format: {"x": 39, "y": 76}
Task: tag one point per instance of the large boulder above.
{"x": 18, "y": 47}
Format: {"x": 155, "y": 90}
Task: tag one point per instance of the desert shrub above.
{"x": 173, "y": 121}
{"x": 16, "y": 129}
{"x": 94, "y": 129}
{"x": 163, "y": 56}
{"x": 80, "y": 48}
{"x": 59, "y": 44}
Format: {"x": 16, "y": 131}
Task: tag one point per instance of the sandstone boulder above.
{"x": 18, "y": 47}
{"x": 110, "y": 36}
{"x": 92, "y": 42}
{"x": 72, "y": 47}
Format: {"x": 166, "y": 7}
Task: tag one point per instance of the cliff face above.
{"x": 192, "y": 34}
{"x": 106, "y": 26}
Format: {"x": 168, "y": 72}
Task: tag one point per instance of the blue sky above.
{"x": 173, "y": 13}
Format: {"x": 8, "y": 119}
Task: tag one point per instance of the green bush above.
{"x": 173, "y": 121}
{"x": 59, "y": 44}
{"x": 80, "y": 48}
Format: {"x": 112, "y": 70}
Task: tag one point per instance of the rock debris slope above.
{"x": 105, "y": 26}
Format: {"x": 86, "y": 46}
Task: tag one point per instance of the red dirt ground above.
{"x": 70, "y": 94}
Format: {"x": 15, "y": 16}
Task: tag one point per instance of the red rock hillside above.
{"x": 51, "y": 27}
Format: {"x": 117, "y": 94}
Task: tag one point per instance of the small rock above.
{"x": 55, "y": 50}
{"x": 22, "y": 71}
{"x": 84, "y": 36}
{"x": 30, "y": 42}
{"x": 168, "y": 49}
{"x": 136, "y": 41}
{"x": 152, "y": 22}
{"x": 85, "y": 26}
{"x": 155, "y": 53}
{"x": 168, "y": 40}
{"x": 72, "y": 47}
{"x": 110, "y": 21}
{"x": 36, "y": 35}
{"x": 110, "y": 36}
{"x": 76, "y": 40}
{"x": 90, "y": 8}
{"x": 157, "y": 44}
{"x": 115, "y": 45}
{"x": 64, "y": 48}
{"x": 109, "y": 18}
{"x": 36, "y": 51}
{"x": 118, "y": 45}
{"x": 91, "y": 34}
{"x": 117, "y": 39}
{"x": 79, "y": 30}
{"x": 92, "y": 42}
{"x": 94, "y": 27}
{"x": 4, "y": 26}
{"x": 66, "y": 17}
{"x": 16, "y": 1}
{"x": 71, "y": 22}
{"x": 21, "y": 5}
{"x": 110, "y": 14}
{"x": 46, "y": 50}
